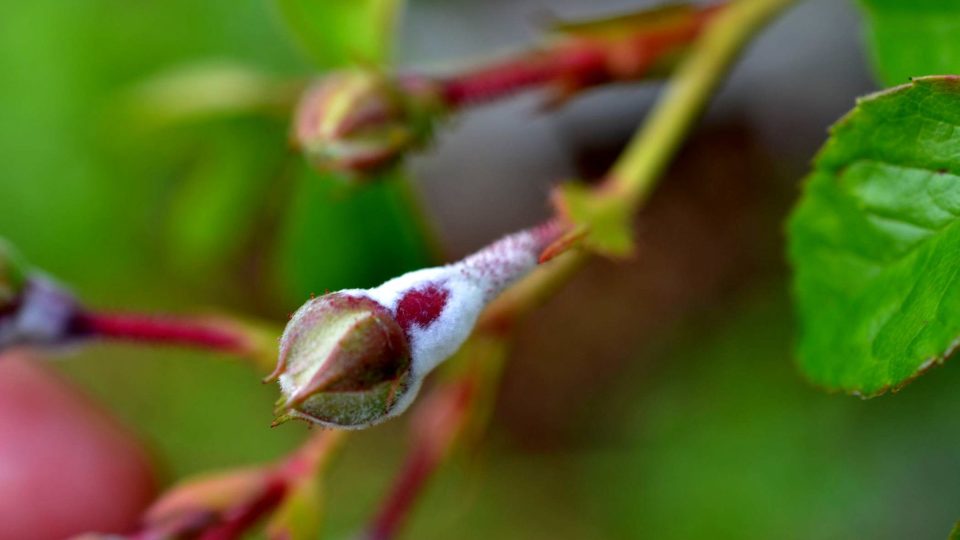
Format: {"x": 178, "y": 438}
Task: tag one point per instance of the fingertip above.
{"x": 65, "y": 466}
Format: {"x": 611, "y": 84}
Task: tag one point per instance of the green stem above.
{"x": 649, "y": 152}
{"x": 641, "y": 165}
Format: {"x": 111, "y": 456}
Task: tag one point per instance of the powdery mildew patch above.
{"x": 438, "y": 307}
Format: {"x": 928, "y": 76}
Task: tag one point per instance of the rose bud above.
{"x": 358, "y": 121}
{"x": 354, "y": 358}
{"x": 344, "y": 361}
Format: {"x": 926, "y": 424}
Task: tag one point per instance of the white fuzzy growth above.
{"x": 402, "y": 403}
{"x": 470, "y": 284}
{"x": 500, "y": 264}
{"x": 431, "y": 345}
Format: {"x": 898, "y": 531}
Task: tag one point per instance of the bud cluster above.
{"x": 354, "y": 358}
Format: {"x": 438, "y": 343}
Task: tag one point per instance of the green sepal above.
{"x": 602, "y": 218}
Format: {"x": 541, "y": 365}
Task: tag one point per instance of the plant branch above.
{"x": 636, "y": 172}
{"x": 632, "y": 178}
{"x": 648, "y": 153}
{"x": 449, "y": 413}
{"x": 200, "y": 333}
{"x": 238, "y": 519}
{"x": 225, "y": 506}
{"x": 217, "y": 333}
{"x": 582, "y": 55}
{"x": 439, "y": 421}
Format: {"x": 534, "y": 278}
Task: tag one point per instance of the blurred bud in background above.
{"x": 358, "y": 121}
{"x": 34, "y": 310}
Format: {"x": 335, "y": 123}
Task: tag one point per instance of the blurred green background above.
{"x": 653, "y": 399}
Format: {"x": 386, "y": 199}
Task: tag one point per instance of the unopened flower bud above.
{"x": 344, "y": 361}
{"x": 354, "y": 358}
{"x": 357, "y": 121}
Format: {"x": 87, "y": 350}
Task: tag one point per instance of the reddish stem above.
{"x": 190, "y": 511}
{"x": 417, "y": 469}
{"x": 160, "y": 331}
{"x": 575, "y": 63}
{"x": 441, "y": 418}
{"x": 241, "y": 518}
{"x": 204, "y": 524}
{"x": 497, "y": 80}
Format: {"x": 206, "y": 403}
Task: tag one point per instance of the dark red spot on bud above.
{"x": 421, "y": 306}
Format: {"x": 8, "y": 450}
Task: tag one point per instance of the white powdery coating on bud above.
{"x": 437, "y": 341}
{"x": 500, "y": 264}
{"x": 450, "y": 300}
{"x": 470, "y": 284}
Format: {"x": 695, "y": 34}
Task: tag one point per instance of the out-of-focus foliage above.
{"x": 874, "y": 241}
{"x": 12, "y": 274}
{"x": 341, "y": 31}
{"x": 714, "y": 436}
{"x": 728, "y": 443}
{"x": 190, "y": 211}
{"x": 911, "y": 38}
{"x": 723, "y": 440}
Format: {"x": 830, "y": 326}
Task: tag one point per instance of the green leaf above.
{"x": 909, "y": 38}
{"x": 875, "y": 241}
{"x": 217, "y": 204}
{"x": 205, "y": 90}
{"x": 955, "y": 533}
{"x": 339, "y": 31}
